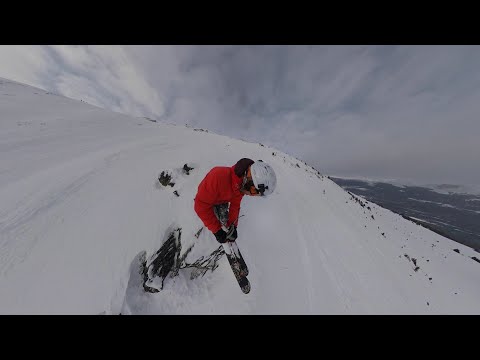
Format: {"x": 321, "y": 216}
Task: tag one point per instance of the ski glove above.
{"x": 223, "y": 237}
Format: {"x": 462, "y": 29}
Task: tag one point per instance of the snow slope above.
{"x": 81, "y": 203}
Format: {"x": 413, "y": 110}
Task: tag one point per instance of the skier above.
{"x": 222, "y": 190}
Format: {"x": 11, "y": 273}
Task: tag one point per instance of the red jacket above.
{"x": 221, "y": 185}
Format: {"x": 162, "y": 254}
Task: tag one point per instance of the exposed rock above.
{"x": 187, "y": 169}
{"x": 165, "y": 178}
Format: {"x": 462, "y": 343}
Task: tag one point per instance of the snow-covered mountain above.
{"x": 81, "y": 206}
{"x": 463, "y": 189}
{"x": 453, "y": 215}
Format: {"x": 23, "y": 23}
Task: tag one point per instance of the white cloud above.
{"x": 110, "y": 69}
{"x": 23, "y": 63}
{"x": 360, "y": 110}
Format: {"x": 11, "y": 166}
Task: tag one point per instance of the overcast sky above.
{"x": 400, "y": 112}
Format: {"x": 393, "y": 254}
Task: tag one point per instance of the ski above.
{"x": 234, "y": 256}
{"x": 239, "y": 257}
{"x": 235, "y": 264}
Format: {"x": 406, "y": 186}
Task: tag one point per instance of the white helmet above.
{"x": 263, "y": 177}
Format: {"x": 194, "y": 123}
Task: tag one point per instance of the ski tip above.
{"x": 246, "y": 289}
{"x": 244, "y": 285}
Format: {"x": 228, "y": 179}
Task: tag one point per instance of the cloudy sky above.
{"x": 388, "y": 112}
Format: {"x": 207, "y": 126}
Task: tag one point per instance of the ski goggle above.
{"x": 250, "y": 187}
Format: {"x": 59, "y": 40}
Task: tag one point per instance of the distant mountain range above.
{"x": 452, "y": 211}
